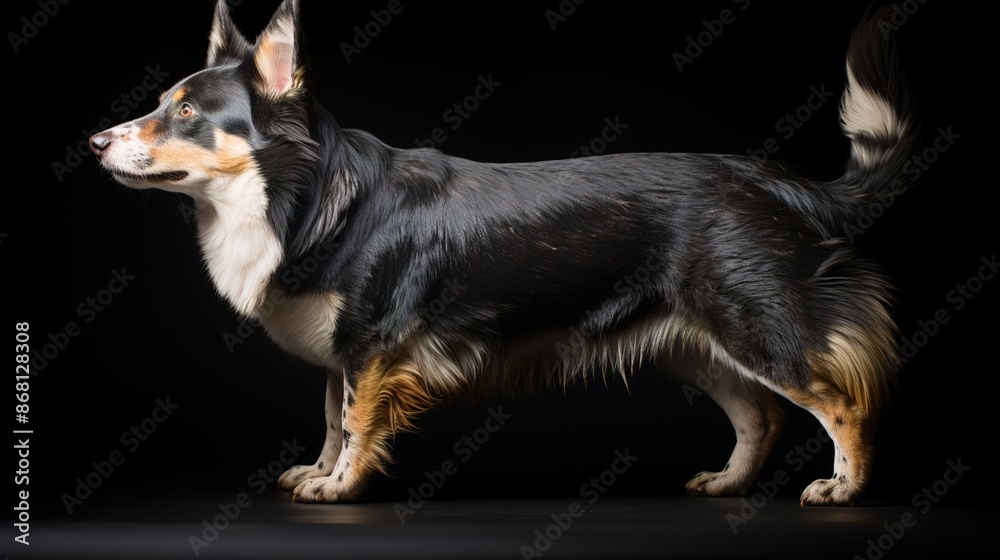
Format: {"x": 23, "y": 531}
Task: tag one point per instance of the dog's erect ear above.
{"x": 225, "y": 42}
{"x": 276, "y": 52}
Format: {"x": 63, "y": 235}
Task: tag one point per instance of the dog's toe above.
{"x": 297, "y": 474}
{"x": 827, "y": 492}
{"x": 322, "y": 489}
{"x": 725, "y": 483}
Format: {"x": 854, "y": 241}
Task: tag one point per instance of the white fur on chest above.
{"x": 238, "y": 243}
{"x": 242, "y": 254}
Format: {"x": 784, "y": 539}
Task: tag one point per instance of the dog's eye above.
{"x": 186, "y": 111}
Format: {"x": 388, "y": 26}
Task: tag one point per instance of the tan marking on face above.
{"x": 180, "y": 155}
{"x": 231, "y": 156}
{"x": 150, "y": 132}
{"x": 177, "y": 96}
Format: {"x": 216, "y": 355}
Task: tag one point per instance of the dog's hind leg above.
{"x": 756, "y": 417}
{"x": 839, "y": 400}
{"x": 380, "y": 398}
{"x": 852, "y": 430}
{"x": 849, "y": 375}
{"x": 334, "y": 436}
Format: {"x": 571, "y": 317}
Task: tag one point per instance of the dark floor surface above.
{"x": 271, "y": 526}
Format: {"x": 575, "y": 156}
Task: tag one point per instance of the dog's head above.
{"x": 210, "y": 125}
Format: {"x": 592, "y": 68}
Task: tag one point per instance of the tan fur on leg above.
{"x": 851, "y": 428}
{"x": 386, "y": 396}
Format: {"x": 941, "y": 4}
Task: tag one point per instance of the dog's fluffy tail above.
{"x": 877, "y": 114}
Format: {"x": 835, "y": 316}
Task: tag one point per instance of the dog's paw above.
{"x": 299, "y": 473}
{"x": 828, "y": 492}
{"x": 323, "y": 489}
{"x": 725, "y": 483}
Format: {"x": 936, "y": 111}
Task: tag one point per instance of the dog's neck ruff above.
{"x": 237, "y": 240}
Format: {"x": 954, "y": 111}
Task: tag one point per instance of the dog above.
{"x": 411, "y": 275}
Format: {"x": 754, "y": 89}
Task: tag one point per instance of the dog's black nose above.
{"x": 100, "y": 142}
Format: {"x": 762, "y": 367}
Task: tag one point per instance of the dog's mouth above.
{"x": 165, "y": 177}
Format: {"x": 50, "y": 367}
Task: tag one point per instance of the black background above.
{"x": 163, "y": 335}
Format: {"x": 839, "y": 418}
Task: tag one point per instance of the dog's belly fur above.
{"x": 302, "y": 324}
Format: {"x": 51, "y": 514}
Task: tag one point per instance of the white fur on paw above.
{"x": 827, "y": 492}
{"x": 323, "y": 489}
{"x": 725, "y": 483}
{"x": 297, "y": 474}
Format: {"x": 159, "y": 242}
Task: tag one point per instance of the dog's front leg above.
{"x": 380, "y": 398}
{"x": 334, "y": 437}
